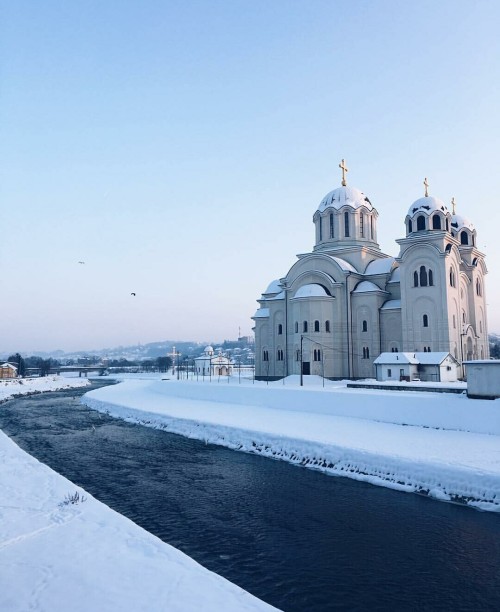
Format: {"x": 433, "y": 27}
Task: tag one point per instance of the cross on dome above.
{"x": 426, "y": 184}
{"x": 344, "y": 169}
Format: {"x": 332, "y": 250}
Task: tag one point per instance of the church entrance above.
{"x": 306, "y": 368}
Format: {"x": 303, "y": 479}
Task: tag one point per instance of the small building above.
{"x": 8, "y": 370}
{"x": 424, "y": 366}
{"x": 213, "y": 365}
{"x": 483, "y": 378}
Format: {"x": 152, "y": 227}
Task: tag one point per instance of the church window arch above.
{"x": 280, "y": 329}
{"x": 366, "y": 352}
{"x": 316, "y": 326}
{"x": 423, "y": 276}
{"x": 448, "y": 248}
{"x": 327, "y": 327}
{"x": 425, "y": 320}
{"x": 452, "y": 278}
{"x": 473, "y": 240}
{"x": 265, "y": 355}
{"x": 317, "y": 355}
{"x": 304, "y": 327}
{"x": 372, "y": 233}
{"x": 346, "y": 224}
{"x": 279, "y": 355}
{"x": 431, "y": 278}
{"x": 296, "y": 327}
{"x": 464, "y": 238}
{"x": 415, "y": 279}
{"x": 297, "y": 355}
{"x": 463, "y": 316}
{"x": 320, "y": 228}
{"x": 410, "y": 226}
{"x": 361, "y": 225}
{"x": 365, "y": 326}
{"x": 479, "y": 289}
{"x": 436, "y": 222}
{"x": 420, "y": 223}
{"x": 447, "y": 225}
{"x": 332, "y": 233}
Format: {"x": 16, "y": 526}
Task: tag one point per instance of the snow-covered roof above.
{"x": 395, "y": 276}
{"x": 395, "y": 358}
{"x": 380, "y": 266}
{"x": 366, "y": 287}
{"x": 343, "y": 196}
{"x": 416, "y": 358}
{"x": 345, "y": 265}
{"x": 459, "y": 222}
{"x": 311, "y": 290}
{"x": 280, "y": 296}
{"x": 427, "y": 205}
{"x": 261, "y": 313}
{"x": 8, "y": 365}
{"x": 273, "y": 287}
{"x": 391, "y": 305}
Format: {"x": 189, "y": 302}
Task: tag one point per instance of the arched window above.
{"x": 431, "y": 279}
{"x": 448, "y": 248}
{"x": 364, "y": 353}
{"x": 316, "y": 326}
{"x": 420, "y": 223}
{"x": 317, "y": 355}
{"x": 436, "y": 222}
{"x": 372, "y": 233}
{"x": 425, "y": 320}
{"x": 265, "y": 356}
{"x": 321, "y": 228}
{"x": 327, "y": 327}
{"x": 365, "y": 326}
{"x": 331, "y": 226}
{"x": 447, "y": 225}
{"x": 279, "y": 355}
{"x": 361, "y": 225}
{"x": 463, "y": 316}
{"x": 423, "y": 276}
{"x": 296, "y": 327}
{"x": 346, "y": 224}
{"x": 367, "y": 353}
{"x": 280, "y": 329}
{"x": 410, "y": 227}
{"x": 464, "y": 238}
{"x": 304, "y": 327}
{"x": 297, "y": 355}
{"x": 452, "y": 277}
{"x": 479, "y": 290}
{"x": 415, "y": 279}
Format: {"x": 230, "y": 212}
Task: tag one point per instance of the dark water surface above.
{"x": 298, "y": 539}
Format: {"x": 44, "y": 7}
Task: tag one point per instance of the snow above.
{"x": 84, "y": 556}
{"x": 380, "y": 266}
{"x": 345, "y": 265}
{"x": 391, "y": 305}
{"x": 261, "y": 313}
{"x": 25, "y": 386}
{"x": 427, "y": 205}
{"x": 443, "y": 445}
{"x": 273, "y": 287}
{"x": 366, "y": 287}
{"x": 414, "y": 357}
{"x": 311, "y": 290}
{"x": 344, "y": 196}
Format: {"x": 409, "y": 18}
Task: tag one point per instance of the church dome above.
{"x": 427, "y": 205}
{"x": 459, "y": 222}
{"x": 344, "y": 196}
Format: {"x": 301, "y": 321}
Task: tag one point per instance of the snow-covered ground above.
{"x": 57, "y": 555}
{"x": 443, "y": 445}
{"x": 25, "y": 386}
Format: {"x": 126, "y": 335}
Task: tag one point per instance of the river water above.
{"x": 296, "y": 538}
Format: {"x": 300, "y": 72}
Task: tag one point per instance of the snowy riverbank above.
{"x": 55, "y": 554}
{"x": 16, "y": 387}
{"x": 442, "y": 445}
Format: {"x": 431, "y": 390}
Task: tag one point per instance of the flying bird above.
{"x": 81, "y": 262}
{"x": 132, "y": 293}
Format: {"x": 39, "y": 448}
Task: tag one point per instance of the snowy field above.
{"x": 58, "y": 555}
{"x": 28, "y": 386}
{"x": 443, "y": 445}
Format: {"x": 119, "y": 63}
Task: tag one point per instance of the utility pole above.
{"x": 301, "y": 361}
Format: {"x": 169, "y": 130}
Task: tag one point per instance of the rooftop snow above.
{"x": 345, "y": 265}
{"x": 380, "y": 266}
{"x": 273, "y": 287}
{"x": 366, "y": 287}
{"x": 395, "y": 276}
{"x": 344, "y": 196}
{"x": 391, "y": 305}
{"x": 311, "y": 290}
{"x": 427, "y": 205}
{"x": 261, "y": 313}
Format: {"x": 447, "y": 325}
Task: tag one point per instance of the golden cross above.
{"x": 344, "y": 170}
{"x": 426, "y": 187}
{"x": 453, "y": 204}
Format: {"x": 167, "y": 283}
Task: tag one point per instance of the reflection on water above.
{"x": 296, "y": 538}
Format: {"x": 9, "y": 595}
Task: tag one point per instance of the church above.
{"x": 346, "y": 302}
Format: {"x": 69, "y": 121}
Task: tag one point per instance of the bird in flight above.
{"x": 132, "y": 293}
{"x": 81, "y": 262}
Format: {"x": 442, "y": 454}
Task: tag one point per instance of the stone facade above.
{"x": 346, "y": 302}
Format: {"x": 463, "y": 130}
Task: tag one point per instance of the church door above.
{"x": 306, "y": 368}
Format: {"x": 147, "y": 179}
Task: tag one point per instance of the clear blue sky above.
{"x": 181, "y": 148}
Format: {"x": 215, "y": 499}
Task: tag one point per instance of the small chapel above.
{"x": 346, "y": 302}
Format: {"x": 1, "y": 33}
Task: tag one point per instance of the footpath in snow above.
{"x": 59, "y": 555}
{"x": 443, "y": 445}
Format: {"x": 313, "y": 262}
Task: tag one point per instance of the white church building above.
{"x": 346, "y": 302}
